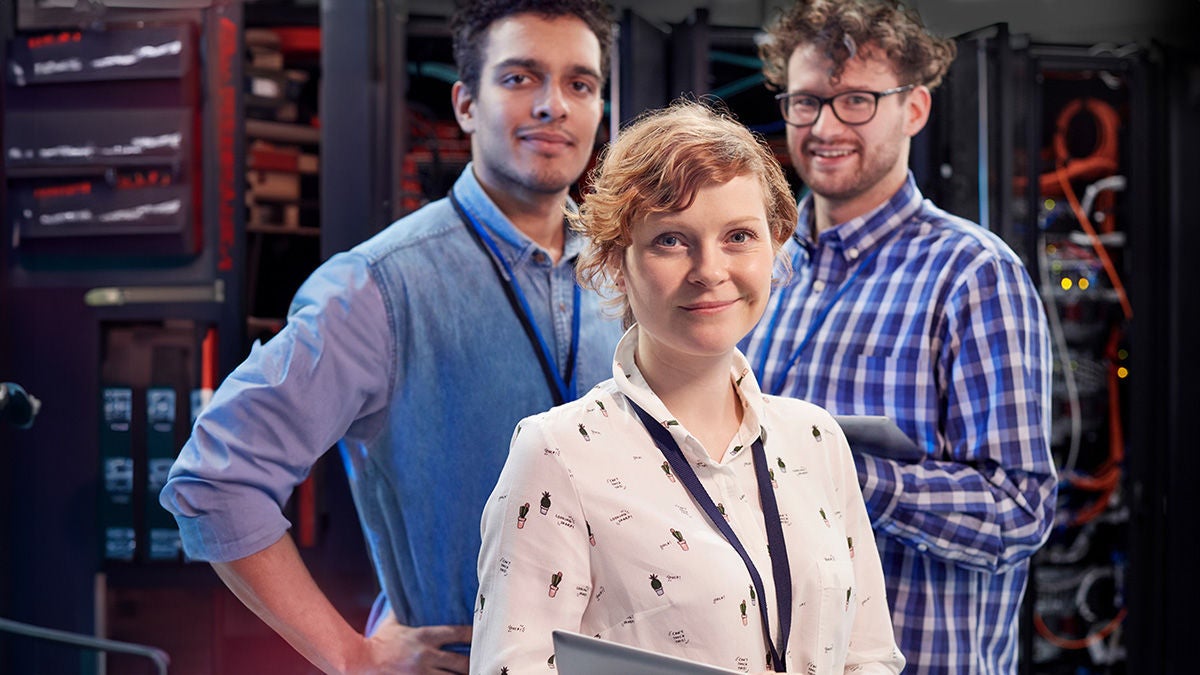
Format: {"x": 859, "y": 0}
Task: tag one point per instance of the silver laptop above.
{"x": 576, "y": 654}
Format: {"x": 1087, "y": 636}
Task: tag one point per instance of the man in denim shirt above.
{"x": 416, "y": 353}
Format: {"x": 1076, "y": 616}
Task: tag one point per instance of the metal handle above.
{"x": 159, "y": 657}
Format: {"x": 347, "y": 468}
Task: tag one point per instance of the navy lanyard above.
{"x": 776, "y": 386}
{"x": 776, "y": 546}
{"x": 562, "y": 387}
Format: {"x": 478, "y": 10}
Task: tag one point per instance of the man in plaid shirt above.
{"x": 895, "y": 307}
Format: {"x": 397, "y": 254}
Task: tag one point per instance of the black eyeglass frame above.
{"x": 823, "y": 101}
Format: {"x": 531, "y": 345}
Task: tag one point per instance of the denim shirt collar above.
{"x": 514, "y": 245}
{"x": 860, "y": 234}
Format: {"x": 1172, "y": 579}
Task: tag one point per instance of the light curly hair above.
{"x": 657, "y": 165}
{"x": 841, "y": 29}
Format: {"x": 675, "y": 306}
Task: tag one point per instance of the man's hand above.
{"x": 398, "y": 649}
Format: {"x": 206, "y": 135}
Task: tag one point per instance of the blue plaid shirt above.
{"x": 933, "y": 321}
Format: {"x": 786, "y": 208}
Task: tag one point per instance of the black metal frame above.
{"x": 1173, "y": 397}
{"x": 7, "y": 24}
{"x": 363, "y": 137}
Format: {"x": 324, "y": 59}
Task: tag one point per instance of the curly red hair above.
{"x": 657, "y": 165}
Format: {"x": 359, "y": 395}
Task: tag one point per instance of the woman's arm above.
{"x": 873, "y": 648}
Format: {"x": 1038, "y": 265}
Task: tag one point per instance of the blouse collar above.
{"x": 630, "y": 382}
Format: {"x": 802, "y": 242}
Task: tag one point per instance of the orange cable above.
{"x": 1077, "y": 643}
{"x": 1094, "y": 509}
{"x": 1109, "y": 268}
{"x": 1116, "y": 434}
{"x": 1107, "y": 476}
{"x": 1103, "y": 479}
{"x": 208, "y": 360}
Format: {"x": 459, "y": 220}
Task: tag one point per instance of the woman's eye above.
{"x": 667, "y": 240}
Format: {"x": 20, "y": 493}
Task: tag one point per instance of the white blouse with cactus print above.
{"x": 589, "y": 530}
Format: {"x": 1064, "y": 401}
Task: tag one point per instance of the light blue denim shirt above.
{"x": 406, "y": 354}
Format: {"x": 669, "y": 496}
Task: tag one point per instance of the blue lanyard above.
{"x": 781, "y": 570}
{"x": 776, "y": 387}
{"x": 562, "y": 387}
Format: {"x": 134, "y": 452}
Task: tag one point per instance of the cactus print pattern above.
{"x": 623, "y": 552}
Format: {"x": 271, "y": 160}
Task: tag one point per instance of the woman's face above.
{"x": 698, "y": 280}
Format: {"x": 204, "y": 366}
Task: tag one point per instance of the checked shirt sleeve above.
{"x": 985, "y": 499}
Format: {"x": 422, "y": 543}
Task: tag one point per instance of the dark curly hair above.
{"x": 841, "y": 28}
{"x": 472, "y": 19}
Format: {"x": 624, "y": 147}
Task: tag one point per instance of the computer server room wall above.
{"x": 131, "y": 284}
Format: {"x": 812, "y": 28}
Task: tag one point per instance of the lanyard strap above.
{"x": 776, "y": 386}
{"x": 776, "y": 546}
{"x": 562, "y": 386}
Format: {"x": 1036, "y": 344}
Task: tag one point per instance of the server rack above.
{"x": 116, "y": 327}
{"x": 122, "y": 217}
{"x": 1073, "y": 155}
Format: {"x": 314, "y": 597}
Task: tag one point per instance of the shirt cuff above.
{"x": 879, "y": 479}
{"x": 206, "y": 541}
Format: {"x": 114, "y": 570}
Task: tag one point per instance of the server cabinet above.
{"x": 1072, "y": 155}
{"x": 120, "y": 270}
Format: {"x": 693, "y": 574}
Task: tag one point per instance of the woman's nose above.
{"x": 710, "y": 266}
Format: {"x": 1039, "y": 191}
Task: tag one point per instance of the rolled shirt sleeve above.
{"x": 279, "y": 411}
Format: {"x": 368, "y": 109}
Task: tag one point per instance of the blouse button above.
{"x": 818, "y": 286}
{"x": 853, "y": 253}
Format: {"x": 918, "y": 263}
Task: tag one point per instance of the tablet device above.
{"x": 878, "y": 435}
{"x": 576, "y": 654}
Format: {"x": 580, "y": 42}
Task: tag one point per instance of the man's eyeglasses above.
{"x": 851, "y": 107}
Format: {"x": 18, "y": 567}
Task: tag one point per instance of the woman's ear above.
{"x": 615, "y": 265}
